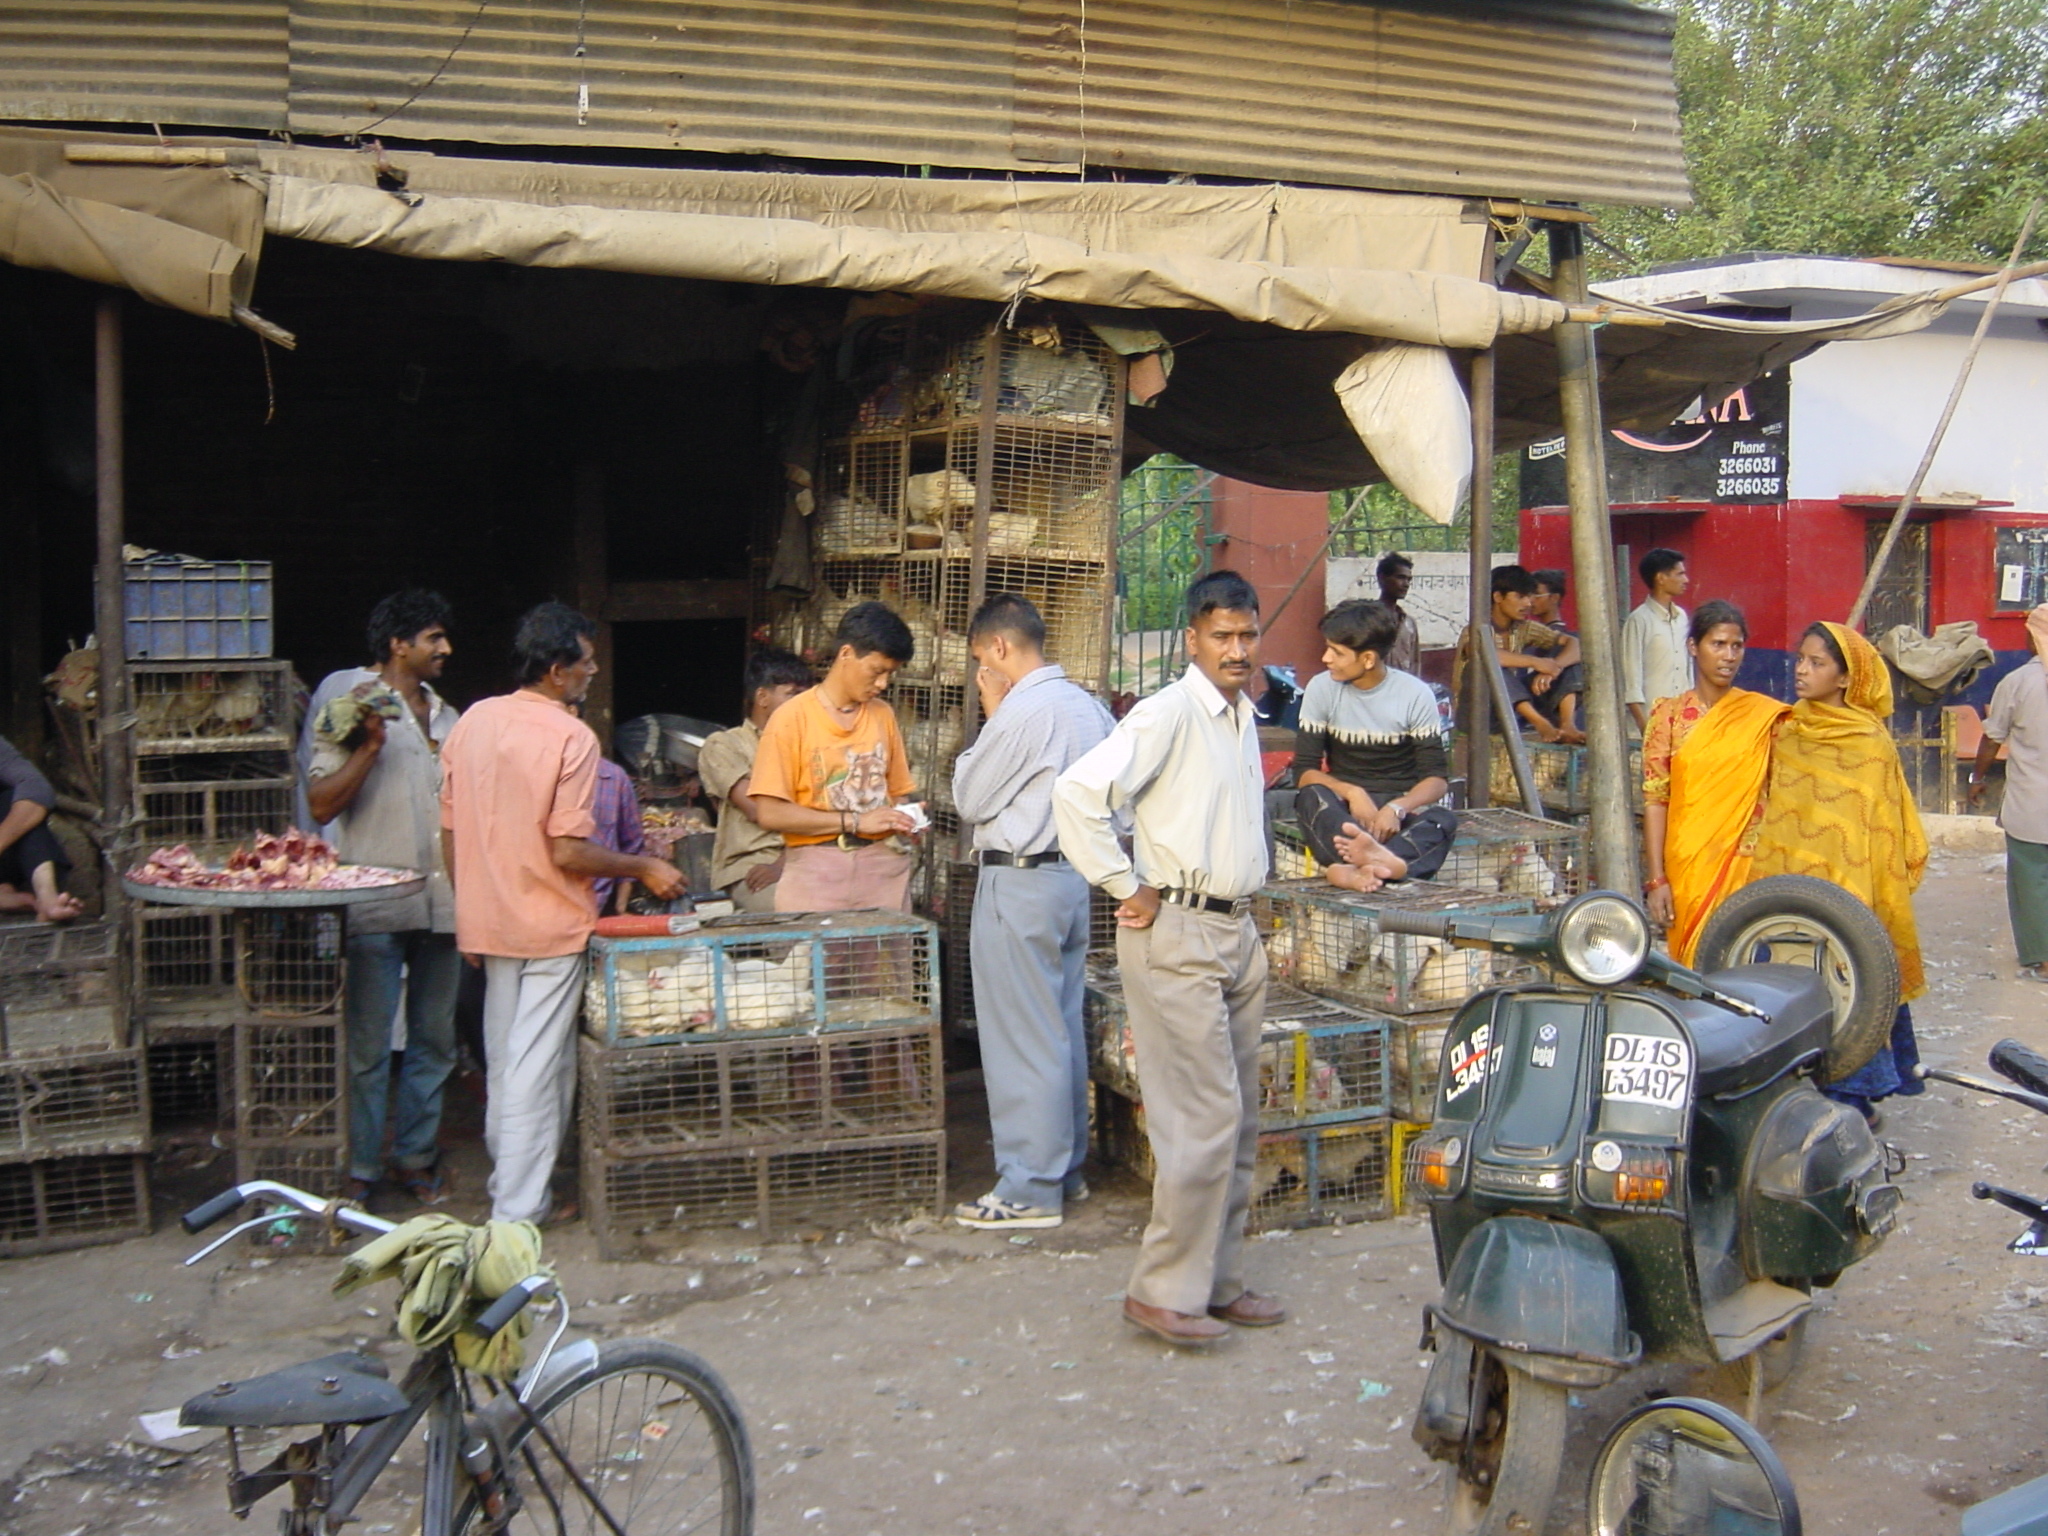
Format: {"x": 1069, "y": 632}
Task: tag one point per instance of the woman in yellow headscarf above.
{"x": 1706, "y": 754}
{"x": 1838, "y": 808}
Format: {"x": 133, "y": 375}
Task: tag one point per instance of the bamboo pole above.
{"x": 1479, "y": 631}
{"x": 1948, "y": 411}
{"x": 1611, "y": 825}
{"x": 116, "y": 709}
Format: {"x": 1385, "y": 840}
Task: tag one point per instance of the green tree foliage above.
{"x": 1853, "y": 128}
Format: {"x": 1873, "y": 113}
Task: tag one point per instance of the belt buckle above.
{"x": 849, "y": 841}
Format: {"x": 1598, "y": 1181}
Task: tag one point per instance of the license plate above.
{"x": 1646, "y": 1069}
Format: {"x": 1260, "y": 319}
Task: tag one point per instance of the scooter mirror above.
{"x": 1681, "y": 1466}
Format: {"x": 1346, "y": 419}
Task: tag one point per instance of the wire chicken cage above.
{"x": 1307, "y": 1177}
{"x": 1327, "y": 941}
{"x": 1562, "y": 779}
{"x": 68, "y": 1105}
{"x": 61, "y": 1006}
{"x": 1516, "y": 854}
{"x": 281, "y": 963}
{"x": 1417, "y": 1055}
{"x": 791, "y": 1088}
{"x": 1319, "y": 1062}
{"x": 770, "y": 1191}
{"x": 72, "y": 1202}
{"x": 214, "y": 804}
{"x": 290, "y": 1080}
{"x": 849, "y": 970}
{"x": 187, "y": 707}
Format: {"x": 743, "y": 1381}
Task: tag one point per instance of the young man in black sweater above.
{"x": 1369, "y": 760}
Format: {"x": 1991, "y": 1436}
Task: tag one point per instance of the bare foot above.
{"x": 1352, "y": 878}
{"x": 63, "y": 908}
{"x": 1364, "y": 851}
{"x": 12, "y": 900}
{"x": 1572, "y": 738}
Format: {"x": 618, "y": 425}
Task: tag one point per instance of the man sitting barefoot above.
{"x": 33, "y": 865}
{"x": 1369, "y": 759}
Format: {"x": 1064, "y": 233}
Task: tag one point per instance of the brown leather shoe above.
{"x": 1174, "y": 1327}
{"x": 1252, "y": 1310}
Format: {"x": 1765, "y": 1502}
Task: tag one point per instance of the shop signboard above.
{"x": 1729, "y": 454}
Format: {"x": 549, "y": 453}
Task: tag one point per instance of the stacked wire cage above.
{"x": 239, "y": 1009}
{"x": 74, "y": 1093}
{"x": 1324, "y": 1102}
{"x": 963, "y": 457}
{"x": 775, "y": 1074}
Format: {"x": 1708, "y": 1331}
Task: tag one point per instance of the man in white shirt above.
{"x": 1655, "y": 660}
{"x": 1185, "y": 764}
{"x": 379, "y": 790}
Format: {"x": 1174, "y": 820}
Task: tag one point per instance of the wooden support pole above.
{"x": 1479, "y": 631}
{"x": 1612, "y": 826}
{"x": 116, "y": 709}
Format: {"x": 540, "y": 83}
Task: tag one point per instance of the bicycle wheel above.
{"x": 652, "y": 1431}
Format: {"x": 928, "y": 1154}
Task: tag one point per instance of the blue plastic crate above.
{"x": 191, "y": 610}
{"x": 764, "y": 975}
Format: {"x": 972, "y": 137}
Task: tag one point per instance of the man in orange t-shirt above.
{"x": 831, "y": 776}
{"x": 518, "y": 775}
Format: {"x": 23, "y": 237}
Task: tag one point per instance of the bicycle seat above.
{"x": 345, "y": 1388}
{"x": 1738, "y": 1054}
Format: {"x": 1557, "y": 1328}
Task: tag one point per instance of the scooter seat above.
{"x": 1739, "y": 1054}
{"x": 345, "y": 1388}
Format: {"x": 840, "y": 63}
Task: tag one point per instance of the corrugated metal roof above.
{"x": 909, "y": 81}
{"x": 1565, "y": 99}
{"x": 219, "y": 63}
{"x": 1398, "y": 99}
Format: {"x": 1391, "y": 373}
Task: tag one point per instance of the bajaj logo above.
{"x": 1545, "y": 1052}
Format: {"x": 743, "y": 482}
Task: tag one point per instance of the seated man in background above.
{"x": 33, "y": 864}
{"x": 1539, "y": 663}
{"x": 1369, "y": 758}
{"x": 746, "y": 858}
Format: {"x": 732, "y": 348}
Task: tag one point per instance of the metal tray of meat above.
{"x": 403, "y": 883}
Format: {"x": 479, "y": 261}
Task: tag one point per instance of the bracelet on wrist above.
{"x": 1658, "y": 884}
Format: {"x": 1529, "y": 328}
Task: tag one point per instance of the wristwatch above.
{"x": 1401, "y": 812}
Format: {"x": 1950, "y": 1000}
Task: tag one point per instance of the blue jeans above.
{"x": 426, "y": 966}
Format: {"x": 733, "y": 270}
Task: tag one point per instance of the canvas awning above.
{"x": 1266, "y": 293}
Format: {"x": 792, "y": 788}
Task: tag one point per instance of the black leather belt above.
{"x": 1018, "y": 860}
{"x": 1198, "y": 902}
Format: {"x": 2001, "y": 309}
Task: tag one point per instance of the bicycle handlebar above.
{"x": 228, "y": 1201}
{"x": 512, "y": 1303}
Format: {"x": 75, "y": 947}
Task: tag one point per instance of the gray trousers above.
{"x": 1195, "y": 984}
{"x": 1029, "y": 946}
{"x": 530, "y": 1048}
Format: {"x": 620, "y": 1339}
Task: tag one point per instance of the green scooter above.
{"x": 1633, "y": 1163}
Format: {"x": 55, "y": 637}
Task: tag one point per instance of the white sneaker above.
{"x": 1078, "y": 1193}
{"x": 990, "y": 1212}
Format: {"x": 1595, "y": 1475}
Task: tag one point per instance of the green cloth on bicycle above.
{"x": 451, "y": 1272}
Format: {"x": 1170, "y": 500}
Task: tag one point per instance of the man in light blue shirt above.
{"x": 1029, "y": 938}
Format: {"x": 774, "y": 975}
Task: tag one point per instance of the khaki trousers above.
{"x": 1195, "y": 984}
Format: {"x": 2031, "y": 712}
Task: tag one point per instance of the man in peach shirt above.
{"x": 518, "y": 775}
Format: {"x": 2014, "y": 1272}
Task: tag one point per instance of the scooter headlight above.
{"x": 1603, "y": 939}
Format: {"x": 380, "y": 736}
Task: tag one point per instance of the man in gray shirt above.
{"x": 1029, "y": 939}
{"x": 379, "y": 785}
{"x": 2018, "y": 721}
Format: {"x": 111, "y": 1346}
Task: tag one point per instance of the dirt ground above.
{"x": 930, "y": 1379}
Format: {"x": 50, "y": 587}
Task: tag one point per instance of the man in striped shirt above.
{"x": 1029, "y": 938}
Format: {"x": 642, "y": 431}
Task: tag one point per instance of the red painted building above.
{"x": 1778, "y": 496}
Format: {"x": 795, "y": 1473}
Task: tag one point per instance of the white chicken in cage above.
{"x": 1322, "y": 1089}
{"x": 658, "y": 991}
{"x": 767, "y": 994}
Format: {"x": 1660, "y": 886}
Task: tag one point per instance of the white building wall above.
{"x": 1862, "y": 412}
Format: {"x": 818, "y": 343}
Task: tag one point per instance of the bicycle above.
{"x": 631, "y": 1437}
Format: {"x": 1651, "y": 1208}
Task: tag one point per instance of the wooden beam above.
{"x": 639, "y": 601}
{"x": 591, "y": 560}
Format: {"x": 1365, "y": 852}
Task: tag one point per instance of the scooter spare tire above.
{"x": 1798, "y": 920}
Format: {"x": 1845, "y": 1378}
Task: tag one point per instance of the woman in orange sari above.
{"x": 1838, "y": 808}
{"x": 1706, "y": 755}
